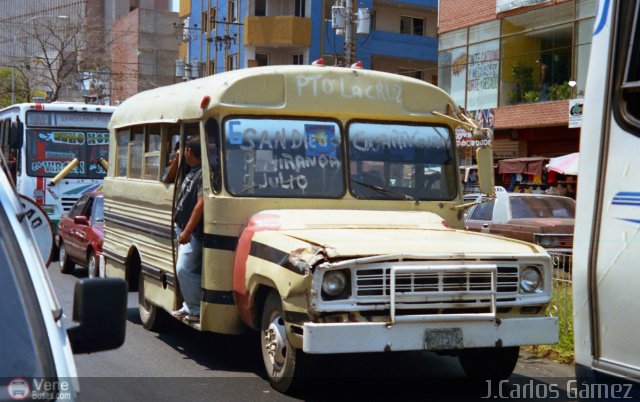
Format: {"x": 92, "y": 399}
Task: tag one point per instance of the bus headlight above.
{"x": 530, "y": 279}
{"x": 334, "y": 283}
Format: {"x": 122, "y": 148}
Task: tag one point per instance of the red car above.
{"x": 81, "y": 233}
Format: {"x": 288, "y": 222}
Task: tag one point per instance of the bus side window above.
{"x": 171, "y": 146}
{"x": 212, "y": 130}
{"x": 152, "y": 152}
{"x": 122, "y": 161}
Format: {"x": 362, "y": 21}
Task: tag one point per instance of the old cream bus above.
{"x": 332, "y": 220}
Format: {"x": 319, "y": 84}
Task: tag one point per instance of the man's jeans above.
{"x": 189, "y": 270}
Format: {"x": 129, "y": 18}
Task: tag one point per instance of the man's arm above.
{"x": 173, "y": 170}
{"x": 196, "y": 216}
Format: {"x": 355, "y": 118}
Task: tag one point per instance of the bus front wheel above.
{"x": 282, "y": 362}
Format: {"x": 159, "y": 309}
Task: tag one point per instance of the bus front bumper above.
{"x": 385, "y": 337}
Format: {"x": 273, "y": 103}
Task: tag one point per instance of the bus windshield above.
{"x": 283, "y": 158}
{"x": 401, "y": 161}
{"x": 50, "y": 150}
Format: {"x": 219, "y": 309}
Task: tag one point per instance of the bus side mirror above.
{"x": 15, "y": 135}
{"x": 484, "y": 157}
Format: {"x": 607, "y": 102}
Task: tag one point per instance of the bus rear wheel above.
{"x": 283, "y": 363}
{"x": 489, "y": 363}
{"x": 153, "y": 318}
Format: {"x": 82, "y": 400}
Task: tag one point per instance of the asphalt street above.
{"x": 183, "y": 364}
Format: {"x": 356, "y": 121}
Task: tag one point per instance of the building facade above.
{"x": 224, "y": 35}
{"x": 19, "y": 20}
{"x": 515, "y": 66}
{"x": 143, "y": 51}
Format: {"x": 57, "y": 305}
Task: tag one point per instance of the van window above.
{"x": 283, "y": 158}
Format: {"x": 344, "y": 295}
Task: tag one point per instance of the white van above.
{"x": 606, "y": 284}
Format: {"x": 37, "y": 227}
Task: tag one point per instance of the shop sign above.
{"x": 464, "y": 138}
{"x": 507, "y": 5}
{"x": 575, "y": 113}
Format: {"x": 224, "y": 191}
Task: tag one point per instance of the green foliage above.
{"x": 559, "y": 91}
{"x": 532, "y": 96}
{"x": 523, "y": 77}
{"x": 5, "y": 87}
{"x": 561, "y": 307}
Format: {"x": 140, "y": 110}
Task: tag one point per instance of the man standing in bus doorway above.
{"x": 188, "y": 218}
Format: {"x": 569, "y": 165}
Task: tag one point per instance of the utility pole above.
{"x": 345, "y": 21}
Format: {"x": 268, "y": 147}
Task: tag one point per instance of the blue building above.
{"x": 229, "y": 34}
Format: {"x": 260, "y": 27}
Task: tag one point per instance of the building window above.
{"x": 232, "y": 12}
{"x": 212, "y": 67}
{"x": 262, "y": 59}
{"x": 297, "y": 58}
{"x": 232, "y": 62}
{"x": 412, "y": 26}
{"x": 214, "y": 18}
{"x": 299, "y": 8}
{"x": 204, "y": 27}
{"x": 261, "y": 8}
{"x": 411, "y": 72}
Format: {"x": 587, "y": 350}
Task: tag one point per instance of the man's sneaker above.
{"x": 182, "y": 313}
{"x": 193, "y": 317}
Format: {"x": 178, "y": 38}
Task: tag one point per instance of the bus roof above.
{"x": 62, "y": 106}
{"x": 289, "y": 90}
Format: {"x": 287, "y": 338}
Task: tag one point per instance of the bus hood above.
{"x": 354, "y": 233}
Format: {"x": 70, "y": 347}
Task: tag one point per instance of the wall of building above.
{"x": 388, "y": 19}
{"x": 124, "y": 57}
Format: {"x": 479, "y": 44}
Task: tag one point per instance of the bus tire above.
{"x": 489, "y": 363}
{"x": 66, "y": 265}
{"x": 283, "y": 363}
{"x": 153, "y": 318}
{"x": 93, "y": 266}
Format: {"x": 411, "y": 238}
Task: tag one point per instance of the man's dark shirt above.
{"x": 187, "y": 198}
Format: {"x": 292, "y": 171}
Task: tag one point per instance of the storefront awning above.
{"x": 531, "y": 166}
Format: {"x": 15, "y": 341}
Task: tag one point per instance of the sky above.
{"x": 176, "y": 5}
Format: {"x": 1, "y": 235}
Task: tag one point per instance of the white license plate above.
{"x": 443, "y": 338}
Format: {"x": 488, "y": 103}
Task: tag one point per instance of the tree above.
{"x": 5, "y": 87}
{"x": 58, "y": 53}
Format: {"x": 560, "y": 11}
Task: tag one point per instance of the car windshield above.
{"x": 283, "y": 158}
{"x": 542, "y": 207}
{"x": 401, "y": 161}
{"x": 24, "y": 345}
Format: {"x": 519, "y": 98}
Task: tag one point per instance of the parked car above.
{"x": 546, "y": 220}
{"x": 36, "y": 343}
{"x": 80, "y": 235}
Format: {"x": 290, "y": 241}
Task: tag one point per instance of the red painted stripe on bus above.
{"x": 258, "y": 223}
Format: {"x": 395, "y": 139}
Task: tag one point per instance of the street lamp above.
{"x": 15, "y": 45}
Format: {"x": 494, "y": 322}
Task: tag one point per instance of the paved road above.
{"x": 183, "y": 364}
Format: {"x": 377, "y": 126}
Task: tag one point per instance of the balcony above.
{"x": 282, "y": 31}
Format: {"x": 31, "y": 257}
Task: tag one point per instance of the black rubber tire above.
{"x": 285, "y": 368}
{"x": 66, "y": 265}
{"x": 93, "y": 265}
{"x": 489, "y": 363}
{"x": 153, "y": 317}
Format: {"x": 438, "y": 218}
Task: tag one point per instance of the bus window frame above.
{"x": 307, "y": 118}
{"x": 627, "y": 23}
{"x": 455, "y": 183}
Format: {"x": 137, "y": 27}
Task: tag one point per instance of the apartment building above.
{"x": 516, "y": 65}
{"x": 229, "y": 34}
